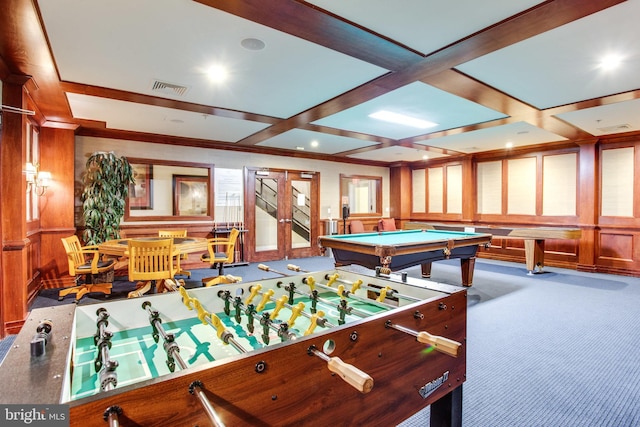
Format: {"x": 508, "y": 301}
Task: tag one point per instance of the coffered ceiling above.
{"x": 303, "y": 77}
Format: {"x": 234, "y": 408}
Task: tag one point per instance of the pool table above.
{"x": 396, "y": 250}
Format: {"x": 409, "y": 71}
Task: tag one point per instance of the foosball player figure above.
{"x": 343, "y": 310}
{"x": 283, "y": 331}
{"x": 237, "y": 304}
{"x": 265, "y": 321}
{"x": 251, "y": 312}
{"x": 226, "y": 296}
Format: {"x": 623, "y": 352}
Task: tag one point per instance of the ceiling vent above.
{"x": 616, "y": 128}
{"x": 168, "y": 88}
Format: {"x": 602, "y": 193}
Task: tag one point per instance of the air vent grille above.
{"x": 616, "y": 128}
{"x": 168, "y": 88}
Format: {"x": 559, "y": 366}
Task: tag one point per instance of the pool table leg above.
{"x": 426, "y": 270}
{"x": 467, "y": 265}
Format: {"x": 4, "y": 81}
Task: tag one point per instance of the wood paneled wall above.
{"x": 609, "y": 244}
{"x": 17, "y": 265}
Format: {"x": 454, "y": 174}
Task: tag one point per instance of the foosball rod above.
{"x": 173, "y": 350}
{"x": 104, "y": 366}
{"x": 111, "y": 415}
{"x": 439, "y": 343}
{"x": 311, "y": 282}
{"x": 267, "y": 268}
{"x": 211, "y": 319}
{"x": 358, "y": 284}
{"x": 390, "y": 292}
{"x": 324, "y": 301}
{"x": 266, "y": 319}
{"x": 296, "y": 310}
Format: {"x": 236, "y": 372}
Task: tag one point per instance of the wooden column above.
{"x": 400, "y": 194}
{"x": 57, "y": 205}
{"x": 13, "y": 289}
{"x": 469, "y": 194}
{"x": 588, "y": 196}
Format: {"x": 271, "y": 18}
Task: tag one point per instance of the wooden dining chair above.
{"x": 87, "y": 267}
{"x": 179, "y": 234}
{"x": 153, "y": 262}
{"x": 220, "y": 251}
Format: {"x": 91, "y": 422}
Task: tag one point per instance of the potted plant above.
{"x": 106, "y": 186}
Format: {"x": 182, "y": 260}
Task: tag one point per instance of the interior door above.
{"x": 282, "y": 217}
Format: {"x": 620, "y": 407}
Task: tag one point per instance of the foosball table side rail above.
{"x": 286, "y": 384}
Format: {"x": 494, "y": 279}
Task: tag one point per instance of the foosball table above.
{"x": 309, "y": 348}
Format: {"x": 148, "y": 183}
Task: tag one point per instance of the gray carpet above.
{"x": 554, "y": 349}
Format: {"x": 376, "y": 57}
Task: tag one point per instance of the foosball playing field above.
{"x": 141, "y": 358}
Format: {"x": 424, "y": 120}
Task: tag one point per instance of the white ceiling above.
{"x": 274, "y": 97}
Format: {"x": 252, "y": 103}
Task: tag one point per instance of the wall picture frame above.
{"x": 141, "y": 192}
{"x": 190, "y": 195}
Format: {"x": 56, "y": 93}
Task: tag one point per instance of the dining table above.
{"x": 182, "y": 245}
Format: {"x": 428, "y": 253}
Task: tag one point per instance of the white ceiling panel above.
{"x": 562, "y": 66}
{"x": 416, "y": 100}
{"x": 606, "y": 119}
{"x": 425, "y": 26}
{"x": 397, "y": 154}
{"x": 315, "y": 142}
{"x": 160, "y": 120}
{"x": 518, "y": 134}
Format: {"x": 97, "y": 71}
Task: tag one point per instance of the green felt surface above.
{"x": 402, "y": 237}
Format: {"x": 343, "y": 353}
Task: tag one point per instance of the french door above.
{"x": 281, "y": 214}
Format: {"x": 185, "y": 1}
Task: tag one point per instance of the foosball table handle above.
{"x": 441, "y": 344}
{"x": 358, "y": 379}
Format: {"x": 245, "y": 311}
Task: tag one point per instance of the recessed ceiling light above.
{"x": 314, "y": 143}
{"x": 610, "y": 62}
{"x": 425, "y": 157}
{"x": 402, "y": 119}
{"x": 217, "y": 73}
{"x": 509, "y": 144}
{"x": 251, "y": 43}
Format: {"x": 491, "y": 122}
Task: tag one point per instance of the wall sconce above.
{"x": 37, "y": 180}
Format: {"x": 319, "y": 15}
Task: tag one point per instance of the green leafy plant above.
{"x": 106, "y": 186}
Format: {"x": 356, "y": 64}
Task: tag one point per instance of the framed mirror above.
{"x": 167, "y": 190}
{"x": 363, "y": 194}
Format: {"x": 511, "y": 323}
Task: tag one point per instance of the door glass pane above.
{"x": 300, "y": 214}
{"x": 266, "y": 214}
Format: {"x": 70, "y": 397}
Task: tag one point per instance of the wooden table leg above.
{"x": 534, "y": 254}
